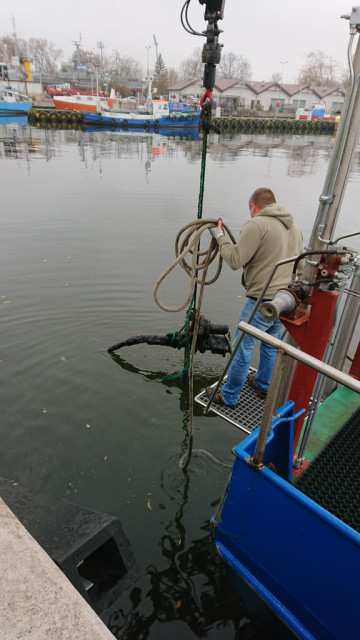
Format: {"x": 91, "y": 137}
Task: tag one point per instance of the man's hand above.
{"x": 217, "y": 231}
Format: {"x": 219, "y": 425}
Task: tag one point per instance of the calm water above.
{"x": 88, "y": 223}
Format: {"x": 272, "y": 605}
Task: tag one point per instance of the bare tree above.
{"x": 276, "y": 76}
{"x": 125, "y": 67}
{"x": 45, "y": 53}
{"x": 192, "y": 67}
{"x": 344, "y": 77}
{"x": 9, "y": 48}
{"x": 234, "y": 66}
{"x": 86, "y": 58}
{"x": 173, "y": 76}
{"x": 320, "y": 70}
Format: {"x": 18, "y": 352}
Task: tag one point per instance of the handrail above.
{"x": 301, "y": 356}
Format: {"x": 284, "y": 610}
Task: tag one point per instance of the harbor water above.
{"x": 88, "y": 223}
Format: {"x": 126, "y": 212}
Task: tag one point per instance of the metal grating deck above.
{"x": 248, "y": 412}
{"x": 333, "y": 478}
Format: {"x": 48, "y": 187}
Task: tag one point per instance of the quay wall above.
{"x": 37, "y": 601}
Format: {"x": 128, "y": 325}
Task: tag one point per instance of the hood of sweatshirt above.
{"x": 277, "y": 211}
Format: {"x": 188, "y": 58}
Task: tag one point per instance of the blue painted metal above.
{"x": 301, "y": 561}
{"x": 180, "y": 107}
{"x": 16, "y": 108}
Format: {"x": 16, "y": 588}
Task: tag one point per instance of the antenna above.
{"x": 156, "y": 46}
{"x": 100, "y": 45}
{"x": 77, "y": 44}
{"x": 14, "y": 36}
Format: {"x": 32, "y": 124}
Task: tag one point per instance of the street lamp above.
{"x": 148, "y": 99}
{"x": 97, "y": 79}
{"x": 282, "y": 73}
{"x": 148, "y": 51}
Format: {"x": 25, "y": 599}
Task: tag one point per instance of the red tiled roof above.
{"x": 221, "y": 84}
{"x": 182, "y": 84}
{"x": 259, "y": 87}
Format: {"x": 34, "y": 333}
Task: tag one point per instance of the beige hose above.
{"x": 191, "y": 244}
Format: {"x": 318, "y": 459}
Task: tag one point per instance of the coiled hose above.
{"x": 190, "y": 243}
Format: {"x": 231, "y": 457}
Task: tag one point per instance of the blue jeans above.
{"x": 240, "y": 365}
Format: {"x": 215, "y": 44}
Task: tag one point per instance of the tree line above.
{"x": 318, "y": 69}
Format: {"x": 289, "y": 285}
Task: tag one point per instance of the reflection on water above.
{"x": 88, "y": 221}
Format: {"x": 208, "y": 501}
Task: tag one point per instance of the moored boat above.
{"x": 160, "y": 114}
{"x": 83, "y": 102}
{"x": 13, "y": 103}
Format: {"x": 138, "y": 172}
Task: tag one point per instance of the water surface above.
{"x": 88, "y": 223}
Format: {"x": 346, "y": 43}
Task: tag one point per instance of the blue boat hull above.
{"x": 284, "y": 551}
{"x": 14, "y": 108}
{"x": 174, "y": 121}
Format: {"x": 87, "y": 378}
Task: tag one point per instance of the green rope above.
{"x": 206, "y": 126}
{"x": 186, "y": 341}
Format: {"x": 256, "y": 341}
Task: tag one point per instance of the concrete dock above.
{"x": 37, "y": 600}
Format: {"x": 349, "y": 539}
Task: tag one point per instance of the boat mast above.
{"x": 342, "y": 156}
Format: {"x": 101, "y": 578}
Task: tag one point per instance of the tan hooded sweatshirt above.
{"x": 270, "y": 236}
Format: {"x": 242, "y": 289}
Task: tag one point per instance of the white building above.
{"x": 233, "y": 94}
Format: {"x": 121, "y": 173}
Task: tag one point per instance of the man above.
{"x": 270, "y": 236}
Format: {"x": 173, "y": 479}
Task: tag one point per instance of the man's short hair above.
{"x": 262, "y": 197}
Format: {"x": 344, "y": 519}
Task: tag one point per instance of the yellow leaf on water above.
{"x": 62, "y": 358}
{"x": 87, "y": 425}
{"x": 178, "y": 604}
{"x": 149, "y": 505}
{"x": 6, "y": 301}
{"x": 105, "y": 457}
{"x": 44, "y": 410}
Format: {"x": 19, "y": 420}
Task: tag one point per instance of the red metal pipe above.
{"x": 312, "y": 336}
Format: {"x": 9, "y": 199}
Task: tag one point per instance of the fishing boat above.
{"x": 58, "y": 89}
{"x": 83, "y": 102}
{"x": 73, "y": 89}
{"x": 160, "y": 113}
{"x": 288, "y": 524}
{"x": 13, "y": 103}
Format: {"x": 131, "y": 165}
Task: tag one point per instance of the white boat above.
{"x": 85, "y": 103}
{"x": 13, "y": 103}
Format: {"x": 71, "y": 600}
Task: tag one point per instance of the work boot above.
{"x": 262, "y": 393}
{"x": 218, "y": 398}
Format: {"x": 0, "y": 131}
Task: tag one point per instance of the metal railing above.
{"x": 285, "y": 350}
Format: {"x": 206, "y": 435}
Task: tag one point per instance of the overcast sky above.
{"x": 266, "y": 32}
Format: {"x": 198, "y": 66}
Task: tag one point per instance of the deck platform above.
{"x": 247, "y": 414}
